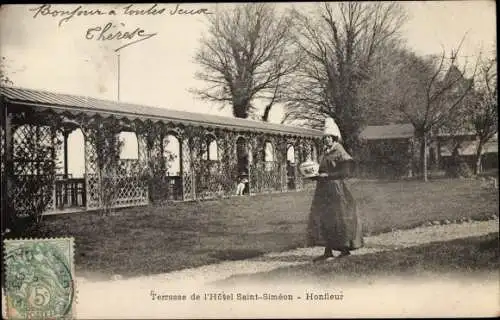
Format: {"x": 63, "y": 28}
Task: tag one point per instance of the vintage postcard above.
{"x": 249, "y": 160}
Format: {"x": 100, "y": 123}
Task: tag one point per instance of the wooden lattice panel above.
{"x": 281, "y": 153}
{"x": 92, "y": 176}
{"x": 158, "y": 190}
{"x": 187, "y": 176}
{"x": 143, "y": 163}
{"x": 266, "y": 176}
{"x": 2, "y": 168}
{"x": 224, "y": 174}
{"x": 308, "y": 184}
{"x": 2, "y": 155}
{"x": 284, "y": 178}
{"x": 126, "y": 182}
{"x": 298, "y": 160}
{"x": 307, "y": 152}
{"x": 208, "y": 180}
{"x": 232, "y": 171}
{"x": 33, "y": 163}
{"x": 216, "y": 180}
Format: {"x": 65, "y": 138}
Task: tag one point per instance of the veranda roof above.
{"x": 75, "y": 104}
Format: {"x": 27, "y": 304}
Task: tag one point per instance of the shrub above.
{"x": 458, "y": 169}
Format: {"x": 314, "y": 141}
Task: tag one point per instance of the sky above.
{"x": 43, "y": 52}
{"x": 159, "y": 71}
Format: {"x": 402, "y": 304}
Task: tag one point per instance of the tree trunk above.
{"x": 423, "y": 157}
{"x": 411, "y": 151}
{"x": 240, "y": 110}
{"x": 477, "y": 163}
{"x": 267, "y": 110}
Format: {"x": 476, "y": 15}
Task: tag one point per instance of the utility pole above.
{"x": 118, "y": 76}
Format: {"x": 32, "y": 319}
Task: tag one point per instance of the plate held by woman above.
{"x": 309, "y": 169}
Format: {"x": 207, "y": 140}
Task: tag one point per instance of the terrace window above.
{"x": 130, "y": 147}
{"x": 210, "y": 149}
{"x": 171, "y": 152}
{"x": 269, "y": 156}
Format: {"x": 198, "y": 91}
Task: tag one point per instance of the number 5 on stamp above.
{"x": 39, "y": 277}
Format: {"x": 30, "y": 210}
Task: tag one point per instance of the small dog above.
{"x": 241, "y": 186}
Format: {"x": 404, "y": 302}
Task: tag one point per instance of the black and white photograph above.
{"x": 249, "y": 160}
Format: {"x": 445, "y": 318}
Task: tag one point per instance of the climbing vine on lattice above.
{"x": 228, "y": 171}
{"x": 102, "y": 134}
{"x": 33, "y": 173}
{"x": 158, "y": 159}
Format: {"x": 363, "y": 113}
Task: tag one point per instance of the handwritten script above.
{"x": 114, "y": 31}
{"x": 109, "y": 32}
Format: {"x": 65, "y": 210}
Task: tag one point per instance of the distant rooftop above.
{"x": 389, "y": 131}
{"x": 469, "y": 148}
{"x": 402, "y": 131}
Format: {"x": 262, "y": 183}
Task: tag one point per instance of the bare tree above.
{"x": 376, "y": 105}
{"x": 431, "y": 91}
{"x": 246, "y": 57}
{"x": 340, "y": 45}
{"x": 483, "y": 113}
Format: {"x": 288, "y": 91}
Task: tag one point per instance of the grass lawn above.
{"x": 473, "y": 256}
{"x": 151, "y": 240}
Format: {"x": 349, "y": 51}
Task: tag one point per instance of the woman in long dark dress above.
{"x": 333, "y": 220}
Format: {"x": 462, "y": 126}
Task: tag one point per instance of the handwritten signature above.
{"x": 110, "y": 32}
{"x": 129, "y": 10}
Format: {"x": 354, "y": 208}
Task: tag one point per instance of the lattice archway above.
{"x": 172, "y": 154}
{"x": 314, "y": 151}
{"x": 129, "y": 153}
{"x": 70, "y": 187}
{"x": 114, "y": 174}
{"x": 268, "y": 172}
{"x": 210, "y": 148}
{"x": 172, "y": 175}
{"x": 291, "y": 167}
{"x": 290, "y": 154}
{"x": 76, "y": 153}
{"x": 213, "y": 150}
{"x": 210, "y": 174}
{"x": 269, "y": 152}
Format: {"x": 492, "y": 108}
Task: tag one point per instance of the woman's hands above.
{"x": 341, "y": 172}
{"x": 320, "y": 176}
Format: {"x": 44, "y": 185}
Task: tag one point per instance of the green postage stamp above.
{"x": 39, "y": 277}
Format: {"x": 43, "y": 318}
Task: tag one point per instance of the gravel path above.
{"x": 134, "y": 297}
{"x": 386, "y": 241}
